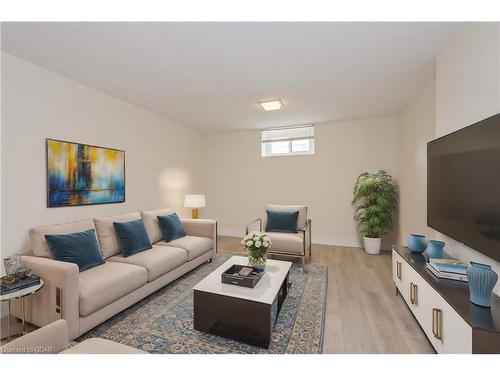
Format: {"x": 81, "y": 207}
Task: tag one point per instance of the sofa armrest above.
{"x": 59, "y": 297}
{"x": 307, "y": 237}
{"x": 201, "y": 228}
{"x": 51, "y": 339}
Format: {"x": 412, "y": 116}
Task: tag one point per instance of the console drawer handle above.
{"x": 398, "y": 270}
{"x": 413, "y": 293}
{"x": 437, "y": 323}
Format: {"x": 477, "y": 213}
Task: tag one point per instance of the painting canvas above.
{"x": 79, "y": 174}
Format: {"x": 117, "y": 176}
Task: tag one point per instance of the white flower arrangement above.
{"x": 257, "y": 244}
{"x": 256, "y": 240}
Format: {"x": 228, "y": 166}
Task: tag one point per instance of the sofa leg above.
{"x": 210, "y": 260}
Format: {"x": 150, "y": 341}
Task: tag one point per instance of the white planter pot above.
{"x": 372, "y": 245}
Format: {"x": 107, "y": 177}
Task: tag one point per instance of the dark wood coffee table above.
{"x": 239, "y": 313}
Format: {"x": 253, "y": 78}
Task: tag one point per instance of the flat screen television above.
{"x": 463, "y": 186}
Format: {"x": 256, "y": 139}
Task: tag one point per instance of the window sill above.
{"x": 285, "y": 155}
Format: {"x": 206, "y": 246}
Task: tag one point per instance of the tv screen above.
{"x": 463, "y": 186}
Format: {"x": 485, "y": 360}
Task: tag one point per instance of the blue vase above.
{"x": 481, "y": 279}
{"x": 480, "y": 316}
{"x": 435, "y": 249}
{"x": 417, "y": 243}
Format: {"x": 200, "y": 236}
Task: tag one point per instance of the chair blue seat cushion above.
{"x": 282, "y": 221}
{"x": 171, "y": 227}
{"x": 80, "y": 248}
{"x": 132, "y": 236}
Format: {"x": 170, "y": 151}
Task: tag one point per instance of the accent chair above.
{"x": 292, "y": 244}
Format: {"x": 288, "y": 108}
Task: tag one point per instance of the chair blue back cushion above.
{"x": 132, "y": 236}
{"x": 171, "y": 227}
{"x": 81, "y": 248}
{"x": 282, "y": 221}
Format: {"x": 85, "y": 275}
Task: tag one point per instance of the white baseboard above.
{"x": 319, "y": 240}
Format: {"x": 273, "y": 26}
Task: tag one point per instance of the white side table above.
{"x": 20, "y": 294}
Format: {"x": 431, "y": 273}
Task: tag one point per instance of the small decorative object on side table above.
{"x": 11, "y": 263}
{"x": 257, "y": 245}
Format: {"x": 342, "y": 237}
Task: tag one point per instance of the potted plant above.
{"x": 375, "y": 200}
{"x": 257, "y": 245}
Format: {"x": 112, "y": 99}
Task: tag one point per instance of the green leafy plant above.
{"x": 375, "y": 200}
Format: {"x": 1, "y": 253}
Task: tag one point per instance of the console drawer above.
{"x": 447, "y": 331}
{"x": 399, "y": 271}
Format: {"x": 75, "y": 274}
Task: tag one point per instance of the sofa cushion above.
{"x": 282, "y": 221}
{"x": 286, "y": 242}
{"x": 80, "y": 248}
{"x": 157, "y": 261}
{"x": 301, "y": 220}
{"x": 101, "y": 346}
{"x": 104, "y": 284}
{"x": 195, "y": 246}
{"x": 171, "y": 227}
{"x": 132, "y": 236}
{"x": 151, "y": 222}
{"x": 106, "y": 234}
{"x": 37, "y": 234}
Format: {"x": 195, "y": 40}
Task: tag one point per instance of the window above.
{"x": 298, "y": 140}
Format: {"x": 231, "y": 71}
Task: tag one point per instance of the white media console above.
{"x": 442, "y": 308}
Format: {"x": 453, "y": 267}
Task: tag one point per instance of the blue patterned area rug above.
{"x": 163, "y": 321}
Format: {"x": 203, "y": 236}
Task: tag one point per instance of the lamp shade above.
{"x": 194, "y": 201}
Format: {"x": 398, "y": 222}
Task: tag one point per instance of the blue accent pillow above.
{"x": 282, "y": 221}
{"x": 80, "y": 248}
{"x": 132, "y": 236}
{"x": 171, "y": 227}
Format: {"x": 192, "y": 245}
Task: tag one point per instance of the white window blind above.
{"x": 298, "y": 140}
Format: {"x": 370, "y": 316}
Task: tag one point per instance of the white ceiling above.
{"x": 210, "y": 76}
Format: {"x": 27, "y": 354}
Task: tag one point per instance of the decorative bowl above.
{"x": 435, "y": 249}
{"x": 417, "y": 243}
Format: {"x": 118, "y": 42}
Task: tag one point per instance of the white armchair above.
{"x": 293, "y": 244}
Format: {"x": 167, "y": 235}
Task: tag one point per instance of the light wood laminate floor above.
{"x": 363, "y": 315}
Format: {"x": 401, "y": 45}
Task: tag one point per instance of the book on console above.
{"x": 448, "y": 265}
{"x": 448, "y": 261}
{"x": 448, "y": 270}
{"x": 446, "y": 275}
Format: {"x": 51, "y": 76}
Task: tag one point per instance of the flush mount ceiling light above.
{"x": 271, "y": 105}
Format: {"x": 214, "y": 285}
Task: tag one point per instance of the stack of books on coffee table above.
{"x": 451, "y": 269}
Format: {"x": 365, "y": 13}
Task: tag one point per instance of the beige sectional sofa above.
{"x": 86, "y": 299}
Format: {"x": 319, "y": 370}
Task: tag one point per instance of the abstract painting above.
{"x": 79, "y": 174}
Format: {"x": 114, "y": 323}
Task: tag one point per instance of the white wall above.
{"x": 162, "y": 158}
{"x": 468, "y": 90}
{"x": 238, "y": 182}
{"x": 416, "y": 128}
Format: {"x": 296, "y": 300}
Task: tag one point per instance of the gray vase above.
{"x": 482, "y": 280}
